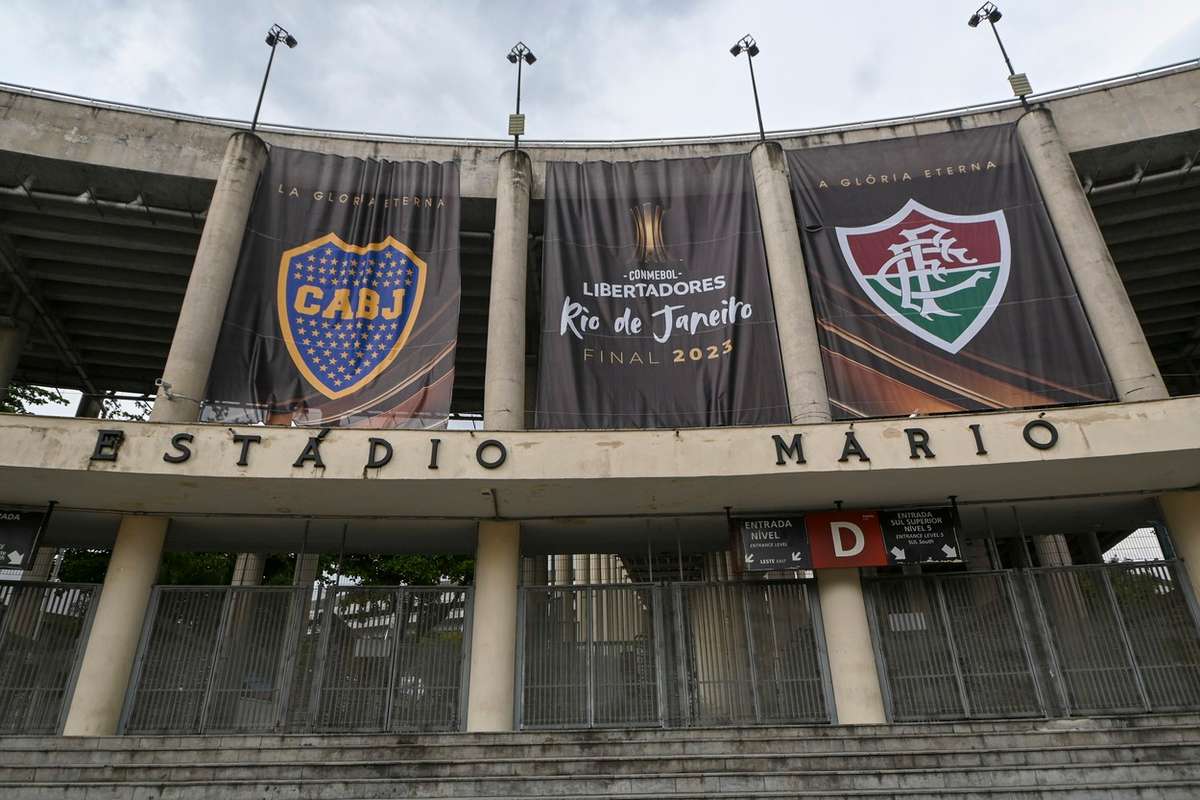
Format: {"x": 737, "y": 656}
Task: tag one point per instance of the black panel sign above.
{"x": 18, "y": 537}
{"x": 920, "y": 535}
{"x": 774, "y": 543}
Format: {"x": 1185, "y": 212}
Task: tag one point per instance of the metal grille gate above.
{"x": 952, "y": 646}
{"x": 675, "y": 654}
{"x": 43, "y": 628}
{"x": 1123, "y": 636}
{"x": 244, "y": 659}
{"x": 1104, "y": 638}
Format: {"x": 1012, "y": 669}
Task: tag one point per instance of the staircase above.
{"x": 1129, "y": 757}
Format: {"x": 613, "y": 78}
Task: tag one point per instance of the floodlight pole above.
{"x": 1003, "y": 52}
{"x": 762, "y": 134}
{"x": 263, "y": 90}
{"x": 517, "y": 136}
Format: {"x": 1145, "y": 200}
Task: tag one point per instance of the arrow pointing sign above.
{"x": 773, "y": 543}
{"x": 920, "y": 535}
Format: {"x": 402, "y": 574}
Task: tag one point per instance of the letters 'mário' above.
{"x": 657, "y": 309}
{"x": 344, "y": 309}
{"x": 937, "y": 281}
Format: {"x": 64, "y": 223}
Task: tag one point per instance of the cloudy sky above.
{"x": 607, "y": 70}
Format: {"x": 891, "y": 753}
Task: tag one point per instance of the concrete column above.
{"x": 494, "y": 627}
{"x": 504, "y": 376}
{"x": 1052, "y": 550}
{"x": 856, "y": 692}
{"x": 1134, "y": 373}
{"x": 248, "y": 569}
{"x": 111, "y": 647}
{"x": 808, "y": 398}
{"x": 43, "y": 564}
{"x": 12, "y": 341}
{"x": 1181, "y": 513}
{"x": 308, "y": 569}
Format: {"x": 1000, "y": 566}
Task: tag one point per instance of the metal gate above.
{"x": 675, "y": 654}
{"x": 245, "y": 659}
{"x": 43, "y": 629}
{"x": 1122, "y": 636}
{"x": 952, "y": 647}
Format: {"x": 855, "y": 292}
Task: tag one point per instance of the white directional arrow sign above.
{"x": 749, "y": 558}
{"x": 797, "y": 555}
{"x": 949, "y": 551}
{"x": 898, "y": 553}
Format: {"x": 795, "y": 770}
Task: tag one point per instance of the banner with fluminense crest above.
{"x": 937, "y": 280}
{"x": 344, "y": 308}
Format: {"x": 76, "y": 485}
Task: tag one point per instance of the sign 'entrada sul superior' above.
{"x": 1039, "y": 434}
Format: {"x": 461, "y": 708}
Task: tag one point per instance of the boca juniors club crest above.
{"x": 939, "y": 276}
{"x": 346, "y": 311}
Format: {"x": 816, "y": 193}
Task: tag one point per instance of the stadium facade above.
{"x": 904, "y": 536}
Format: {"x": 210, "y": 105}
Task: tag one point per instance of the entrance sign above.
{"x": 837, "y": 539}
{"x": 19, "y": 531}
{"x": 937, "y": 280}
{"x": 920, "y": 535}
{"x": 344, "y": 309}
{"x": 774, "y": 543}
{"x": 845, "y": 539}
{"x": 657, "y": 309}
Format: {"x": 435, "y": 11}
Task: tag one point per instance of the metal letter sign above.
{"x": 348, "y": 310}
{"x": 18, "y": 537}
{"x": 939, "y": 276}
{"x": 775, "y": 543}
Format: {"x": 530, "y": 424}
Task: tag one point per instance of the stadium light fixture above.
{"x": 1019, "y": 81}
{"x": 520, "y": 54}
{"x": 274, "y": 36}
{"x": 750, "y": 47}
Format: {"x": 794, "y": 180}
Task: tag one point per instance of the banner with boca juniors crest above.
{"x": 657, "y": 307}
{"x": 344, "y": 308}
{"x": 937, "y": 280}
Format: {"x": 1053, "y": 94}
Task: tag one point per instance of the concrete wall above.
{"x": 1114, "y": 113}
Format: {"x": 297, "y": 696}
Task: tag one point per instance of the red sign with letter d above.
{"x": 846, "y": 539}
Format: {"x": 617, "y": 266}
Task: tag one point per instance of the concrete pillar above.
{"x": 856, "y": 692}
{"x": 1134, "y": 372}
{"x": 12, "y": 340}
{"x": 308, "y": 569}
{"x": 808, "y": 398}
{"x": 504, "y": 373}
{"x": 248, "y": 569}
{"x": 43, "y": 564}
{"x": 494, "y": 627}
{"x": 1052, "y": 550}
{"x": 111, "y": 647}
{"x": 1181, "y": 513}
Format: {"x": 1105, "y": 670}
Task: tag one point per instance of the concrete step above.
{"x": 1036, "y": 778}
{"x": 62, "y": 770}
{"x": 172, "y": 750}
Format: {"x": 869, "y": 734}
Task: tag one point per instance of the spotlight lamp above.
{"x": 1018, "y": 81}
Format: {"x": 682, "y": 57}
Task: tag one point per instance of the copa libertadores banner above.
{"x": 656, "y": 304}
{"x": 344, "y": 309}
{"x": 937, "y": 279}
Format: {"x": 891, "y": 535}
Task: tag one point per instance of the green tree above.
{"x": 21, "y": 397}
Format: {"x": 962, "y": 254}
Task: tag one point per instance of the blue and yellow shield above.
{"x": 346, "y": 311}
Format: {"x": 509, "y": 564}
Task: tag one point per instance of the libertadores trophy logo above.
{"x": 939, "y": 276}
{"x": 346, "y": 311}
{"x": 648, "y": 234}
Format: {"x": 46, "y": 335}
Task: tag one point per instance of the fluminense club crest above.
{"x": 939, "y": 276}
{"x": 346, "y": 311}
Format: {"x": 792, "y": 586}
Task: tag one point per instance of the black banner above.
{"x": 937, "y": 280}
{"x": 657, "y": 308}
{"x": 344, "y": 310}
{"x": 18, "y": 537}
